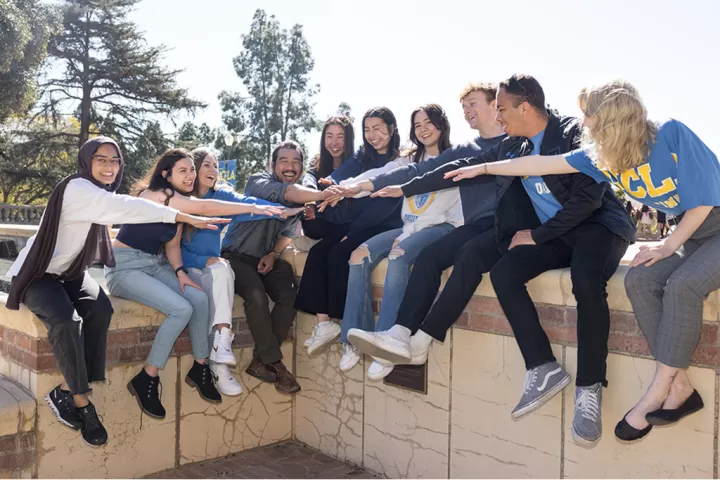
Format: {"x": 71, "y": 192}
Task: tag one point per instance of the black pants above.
{"x": 593, "y": 253}
{"x": 320, "y": 228}
{"x": 472, "y": 251}
{"x": 77, "y": 315}
{"x": 269, "y": 329}
{"x": 324, "y": 282}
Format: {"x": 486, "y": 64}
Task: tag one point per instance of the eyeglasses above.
{"x": 105, "y": 161}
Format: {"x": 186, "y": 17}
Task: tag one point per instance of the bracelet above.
{"x": 277, "y": 255}
{"x": 485, "y": 171}
{"x": 181, "y": 267}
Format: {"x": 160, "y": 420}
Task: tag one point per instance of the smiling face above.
{"x": 106, "y": 164}
{"x": 182, "y": 176}
{"x": 478, "y": 111}
{"x": 209, "y": 172}
{"x": 377, "y": 134}
{"x": 335, "y": 140}
{"x": 511, "y": 118}
{"x": 288, "y": 165}
{"x": 425, "y": 131}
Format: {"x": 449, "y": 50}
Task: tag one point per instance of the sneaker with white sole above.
{"x": 389, "y": 345}
{"x": 541, "y": 384}
{"x": 225, "y": 382}
{"x": 327, "y": 332}
{"x": 61, "y": 403}
{"x": 379, "y": 369}
{"x": 221, "y": 351}
{"x": 419, "y": 348}
{"x": 309, "y": 341}
{"x": 587, "y": 422}
{"x": 350, "y": 357}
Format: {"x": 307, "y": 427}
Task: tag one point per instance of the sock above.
{"x": 423, "y": 339}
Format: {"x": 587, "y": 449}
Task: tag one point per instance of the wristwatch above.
{"x": 181, "y": 267}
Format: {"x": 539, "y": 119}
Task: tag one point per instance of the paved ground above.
{"x": 284, "y": 460}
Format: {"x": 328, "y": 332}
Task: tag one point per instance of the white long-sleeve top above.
{"x": 85, "y": 204}
{"x": 419, "y": 211}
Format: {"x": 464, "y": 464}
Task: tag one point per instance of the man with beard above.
{"x": 253, "y": 250}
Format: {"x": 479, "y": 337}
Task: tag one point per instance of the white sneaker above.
{"x": 304, "y": 244}
{"x": 224, "y": 380}
{"x": 221, "y": 351}
{"x": 309, "y": 341}
{"x": 420, "y": 347}
{"x": 379, "y": 369}
{"x": 350, "y": 357}
{"x": 326, "y": 333}
{"x": 391, "y": 345}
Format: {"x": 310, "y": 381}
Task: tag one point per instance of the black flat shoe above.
{"x": 669, "y": 416}
{"x": 627, "y": 433}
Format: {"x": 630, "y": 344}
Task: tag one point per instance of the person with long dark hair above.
{"x": 337, "y": 143}
{"x": 201, "y": 256}
{"x": 324, "y": 282}
{"x": 150, "y": 270}
{"x": 426, "y": 218}
{"x": 50, "y": 275}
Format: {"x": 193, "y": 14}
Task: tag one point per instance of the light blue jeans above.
{"x": 358, "y": 303}
{"x": 150, "y": 280}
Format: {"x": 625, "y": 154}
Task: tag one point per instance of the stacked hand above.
{"x": 291, "y": 212}
{"x": 466, "y": 172}
{"x": 267, "y": 210}
{"x": 394, "y": 191}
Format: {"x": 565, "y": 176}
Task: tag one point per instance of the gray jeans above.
{"x": 667, "y": 297}
{"x": 150, "y": 280}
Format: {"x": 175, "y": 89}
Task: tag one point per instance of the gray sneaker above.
{"x": 587, "y": 423}
{"x": 541, "y": 384}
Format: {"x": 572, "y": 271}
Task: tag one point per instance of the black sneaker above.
{"x": 61, "y": 403}
{"x": 92, "y": 430}
{"x": 146, "y": 391}
{"x": 200, "y": 377}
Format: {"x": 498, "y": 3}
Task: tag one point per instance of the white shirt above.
{"x": 85, "y": 204}
{"x": 419, "y": 211}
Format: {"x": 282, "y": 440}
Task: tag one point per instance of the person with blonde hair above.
{"x": 666, "y": 166}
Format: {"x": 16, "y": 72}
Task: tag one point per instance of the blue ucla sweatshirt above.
{"x": 203, "y": 244}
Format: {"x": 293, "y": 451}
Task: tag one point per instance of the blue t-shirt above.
{"x": 544, "y": 202}
{"x": 681, "y": 172}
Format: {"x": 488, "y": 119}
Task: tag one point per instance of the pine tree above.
{"x": 110, "y": 74}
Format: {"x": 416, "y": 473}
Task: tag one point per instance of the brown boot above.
{"x": 286, "y": 383}
{"x": 261, "y": 371}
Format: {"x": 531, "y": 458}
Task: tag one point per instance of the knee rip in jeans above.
{"x": 396, "y": 253}
{"x": 359, "y": 255}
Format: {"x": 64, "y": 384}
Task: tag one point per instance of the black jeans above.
{"x": 593, "y": 253}
{"x": 318, "y": 228}
{"x": 268, "y": 329}
{"x": 471, "y": 250}
{"x": 323, "y": 287}
{"x": 77, "y": 315}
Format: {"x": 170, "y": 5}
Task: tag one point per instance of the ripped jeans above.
{"x": 358, "y": 303}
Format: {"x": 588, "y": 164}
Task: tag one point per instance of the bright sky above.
{"x": 404, "y": 53}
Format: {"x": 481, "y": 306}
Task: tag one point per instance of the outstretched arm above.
{"x": 534, "y": 165}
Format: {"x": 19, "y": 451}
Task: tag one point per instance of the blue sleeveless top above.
{"x": 147, "y": 237}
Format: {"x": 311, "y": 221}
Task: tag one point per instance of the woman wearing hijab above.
{"x": 50, "y": 275}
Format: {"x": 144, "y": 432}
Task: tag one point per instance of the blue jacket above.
{"x": 199, "y": 245}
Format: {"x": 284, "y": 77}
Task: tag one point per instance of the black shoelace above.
{"x": 90, "y": 415}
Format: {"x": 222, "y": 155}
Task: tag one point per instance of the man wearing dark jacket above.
{"x": 544, "y": 223}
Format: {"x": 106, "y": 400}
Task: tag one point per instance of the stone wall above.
{"x": 461, "y": 428}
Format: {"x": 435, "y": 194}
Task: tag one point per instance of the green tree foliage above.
{"x": 34, "y": 158}
{"x": 103, "y": 71}
{"x": 25, "y": 28}
{"x": 274, "y": 66}
{"x": 345, "y": 109}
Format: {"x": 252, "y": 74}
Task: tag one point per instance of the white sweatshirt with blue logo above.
{"x": 420, "y": 211}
